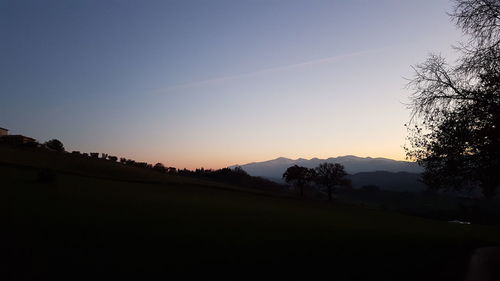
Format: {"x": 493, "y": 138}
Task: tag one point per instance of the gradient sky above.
{"x": 211, "y": 83}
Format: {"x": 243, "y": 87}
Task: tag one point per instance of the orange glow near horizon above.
{"x": 218, "y": 162}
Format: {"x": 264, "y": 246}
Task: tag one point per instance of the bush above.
{"x": 160, "y": 167}
{"x": 46, "y": 176}
{"x": 55, "y": 144}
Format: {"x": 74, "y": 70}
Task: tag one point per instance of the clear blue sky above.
{"x": 213, "y": 83}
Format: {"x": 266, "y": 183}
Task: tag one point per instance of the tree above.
{"x": 55, "y": 145}
{"x": 160, "y": 167}
{"x": 299, "y": 176}
{"x": 238, "y": 170}
{"x": 454, "y": 132}
{"x": 331, "y": 176}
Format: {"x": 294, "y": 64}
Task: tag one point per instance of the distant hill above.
{"x": 275, "y": 168}
{"x": 400, "y": 181}
{"x": 388, "y": 174}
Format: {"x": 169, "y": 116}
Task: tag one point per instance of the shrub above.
{"x": 55, "y": 144}
{"x": 160, "y": 167}
{"x": 46, "y": 176}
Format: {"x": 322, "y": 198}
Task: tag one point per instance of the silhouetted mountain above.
{"x": 400, "y": 181}
{"x": 274, "y": 169}
{"x": 385, "y": 173}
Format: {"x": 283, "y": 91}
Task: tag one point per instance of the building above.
{"x": 14, "y": 139}
{"x": 3, "y": 132}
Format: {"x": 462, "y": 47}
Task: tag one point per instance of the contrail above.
{"x": 321, "y": 61}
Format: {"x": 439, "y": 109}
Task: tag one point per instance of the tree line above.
{"x": 235, "y": 175}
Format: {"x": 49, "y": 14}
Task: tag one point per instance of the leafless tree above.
{"x": 454, "y": 129}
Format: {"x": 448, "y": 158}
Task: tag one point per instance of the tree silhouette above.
{"x": 160, "y": 167}
{"x": 240, "y": 171}
{"x": 55, "y": 144}
{"x": 454, "y": 132}
{"x": 299, "y": 176}
{"x": 331, "y": 176}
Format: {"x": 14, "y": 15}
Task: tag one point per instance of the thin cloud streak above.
{"x": 322, "y": 61}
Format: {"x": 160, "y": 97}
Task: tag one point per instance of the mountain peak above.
{"x": 282, "y": 158}
{"x": 353, "y": 164}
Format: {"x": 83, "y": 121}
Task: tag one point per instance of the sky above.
{"x": 213, "y": 83}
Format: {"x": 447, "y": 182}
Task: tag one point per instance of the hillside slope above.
{"x": 92, "y": 222}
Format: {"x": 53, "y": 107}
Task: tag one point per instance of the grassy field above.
{"x": 101, "y": 220}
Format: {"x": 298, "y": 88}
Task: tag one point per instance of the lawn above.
{"x": 90, "y": 225}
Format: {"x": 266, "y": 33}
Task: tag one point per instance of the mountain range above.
{"x": 386, "y": 173}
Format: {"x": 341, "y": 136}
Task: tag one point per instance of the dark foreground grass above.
{"x": 93, "y": 228}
